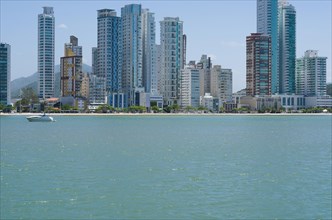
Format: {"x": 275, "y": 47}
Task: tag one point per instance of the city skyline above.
{"x": 225, "y": 45}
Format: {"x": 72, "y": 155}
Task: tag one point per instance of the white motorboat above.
{"x": 40, "y": 118}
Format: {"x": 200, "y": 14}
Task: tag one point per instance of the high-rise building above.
{"x": 287, "y": 48}
{"x": 85, "y": 86}
{"x": 158, "y": 68}
{"x": 46, "y": 38}
{"x": 5, "y": 68}
{"x": 171, "y": 40}
{"x": 311, "y": 74}
{"x": 132, "y": 53}
{"x": 71, "y": 69}
{"x": 109, "y": 51}
{"x": 204, "y": 67}
{"x": 184, "y": 50}
{"x": 73, "y": 45}
{"x": 267, "y": 23}
{"x": 258, "y": 64}
{"x": 94, "y": 60}
{"x": 149, "y": 52}
{"x": 189, "y": 87}
{"x": 221, "y": 84}
{"x": 97, "y": 89}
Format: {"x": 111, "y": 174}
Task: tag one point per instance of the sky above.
{"x": 217, "y": 28}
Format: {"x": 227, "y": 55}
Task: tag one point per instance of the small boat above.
{"x": 40, "y": 118}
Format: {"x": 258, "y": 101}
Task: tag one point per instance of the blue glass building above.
{"x": 132, "y": 52}
{"x": 267, "y": 23}
{"x": 5, "y": 74}
{"x": 287, "y": 49}
{"x": 109, "y": 51}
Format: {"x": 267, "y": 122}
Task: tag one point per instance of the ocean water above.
{"x": 166, "y": 167}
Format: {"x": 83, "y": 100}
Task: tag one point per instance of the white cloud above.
{"x": 231, "y": 44}
{"x": 63, "y": 26}
{"x": 212, "y": 56}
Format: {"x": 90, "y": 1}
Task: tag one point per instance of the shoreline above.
{"x": 168, "y": 114}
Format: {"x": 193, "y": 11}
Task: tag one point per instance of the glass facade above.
{"x": 5, "y": 74}
{"x": 267, "y": 23}
{"x": 287, "y": 49}
{"x": 132, "y": 52}
{"x": 46, "y": 53}
{"x": 258, "y": 64}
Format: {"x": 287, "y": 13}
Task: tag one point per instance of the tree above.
{"x": 175, "y": 107}
{"x": 2, "y": 106}
{"x": 66, "y": 107}
{"x": 189, "y": 108}
{"x": 222, "y": 109}
{"x": 155, "y": 108}
{"x": 28, "y": 96}
{"x": 105, "y": 108}
{"x": 201, "y": 108}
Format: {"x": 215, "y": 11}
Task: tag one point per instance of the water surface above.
{"x": 152, "y": 167}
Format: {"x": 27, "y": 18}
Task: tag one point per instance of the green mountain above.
{"x": 32, "y": 81}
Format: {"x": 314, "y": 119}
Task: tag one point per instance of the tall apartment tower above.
{"x": 71, "y": 69}
{"x": 258, "y": 64}
{"x": 132, "y": 53}
{"x": 46, "y": 38}
{"x": 5, "y": 68}
{"x": 221, "y": 84}
{"x": 189, "y": 87}
{"x": 311, "y": 74}
{"x": 171, "y": 40}
{"x": 184, "y": 50}
{"x": 205, "y": 67}
{"x": 158, "y": 68}
{"x": 94, "y": 60}
{"x": 287, "y": 48}
{"x": 149, "y": 52}
{"x": 109, "y": 47}
{"x": 267, "y": 23}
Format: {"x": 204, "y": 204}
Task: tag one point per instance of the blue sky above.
{"x": 217, "y": 28}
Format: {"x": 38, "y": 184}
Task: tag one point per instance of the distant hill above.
{"x": 32, "y": 81}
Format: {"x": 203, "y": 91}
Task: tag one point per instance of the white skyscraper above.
{"x": 311, "y": 74}
{"x": 171, "y": 40}
{"x": 46, "y": 33}
{"x": 221, "y": 84}
{"x": 189, "y": 87}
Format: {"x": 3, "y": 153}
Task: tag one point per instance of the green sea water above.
{"x": 166, "y": 167}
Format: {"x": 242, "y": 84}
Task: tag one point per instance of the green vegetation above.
{"x": 270, "y": 110}
{"x": 105, "y": 109}
{"x": 316, "y": 110}
{"x": 28, "y": 96}
{"x": 172, "y": 109}
{"x": 137, "y": 109}
{"x": 241, "y": 110}
{"x": 6, "y": 109}
{"x": 155, "y": 109}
